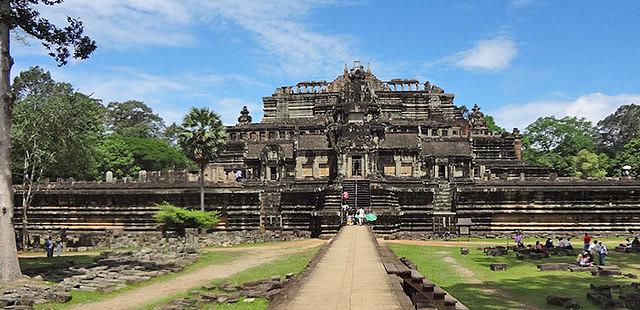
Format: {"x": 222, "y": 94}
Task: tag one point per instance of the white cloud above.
{"x": 127, "y": 24}
{"x": 278, "y": 27}
{"x": 490, "y": 54}
{"x": 593, "y": 107}
{"x": 286, "y": 42}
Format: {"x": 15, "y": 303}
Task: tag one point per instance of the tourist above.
{"x": 568, "y": 245}
{"x": 587, "y": 241}
{"x": 518, "y": 239}
{"x": 58, "y": 249}
{"x": 585, "y": 260}
{"x": 345, "y": 196}
{"x": 635, "y": 244}
{"x": 538, "y": 247}
{"x": 549, "y": 244}
{"x": 238, "y": 175}
{"x": 349, "y": 219}
{"x": 593, "y": 248}
{"x": 560, "y": 244}
{"x": 361, "y": 216}
{"x": 48, "y": 246}
{"x": 602, "y": 253}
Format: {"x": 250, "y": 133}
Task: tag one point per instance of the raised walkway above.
{"x": 350, "y": 275}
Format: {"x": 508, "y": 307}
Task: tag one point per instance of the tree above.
{"x": 491, "y": 124}
{"x": 133, "y": 118}
{"x": 201, "y": 135}
{"x": 117, "y": 157}
{"x": 589, "y": 164}
{"x": 62, "y": 146}
{"x": 630, "y": 155}
{"x": 551, "y": 142}
{"x": 126, "y": 156}
{"x": 617, "y": 129}
{"x": 171, "y": 133}
{"x": 176, "y": 218}
{"x": 61, "y": 43}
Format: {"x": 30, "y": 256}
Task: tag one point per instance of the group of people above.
{"x": 634, "y": 245}
{"x": 352, "y": 216}
{"x": 562, "y": 243}
{"x": 53, "y": 248}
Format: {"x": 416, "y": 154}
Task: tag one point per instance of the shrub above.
{"x": 176, "y": 218}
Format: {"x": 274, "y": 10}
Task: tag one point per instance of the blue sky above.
{"x": 517, "y": 60}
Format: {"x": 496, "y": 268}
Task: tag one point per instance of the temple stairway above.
{"x": 359, "y": 193}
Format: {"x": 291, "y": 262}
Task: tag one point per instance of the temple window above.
{"x": 234, "y": 136}
{"x": 445, "y": 132}
{"x": 254, "y": 136}
{"x": 263, "y": 135}
{"x": 282, "y": 135}
{"x": 243, "y": 135}
{"x": 272, "y": 135}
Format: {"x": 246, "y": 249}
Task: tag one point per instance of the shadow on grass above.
{"x": 54, "y": 269}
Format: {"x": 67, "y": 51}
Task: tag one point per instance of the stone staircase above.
{"x": 387, "y": 208}
{"x": 359, "y": 193}
{"x": 443, "y": 198}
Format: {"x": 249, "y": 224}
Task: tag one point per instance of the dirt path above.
{"x": 349, "y": 276}
{"x": 151, "y": 293}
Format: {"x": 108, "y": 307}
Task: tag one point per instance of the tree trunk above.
{"x": 201, "y": 189}
{"x": 9, "y": 267}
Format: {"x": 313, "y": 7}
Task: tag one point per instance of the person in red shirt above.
{"x": 587, "y": 241}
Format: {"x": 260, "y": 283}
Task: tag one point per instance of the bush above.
{"x": 176, "y": 218}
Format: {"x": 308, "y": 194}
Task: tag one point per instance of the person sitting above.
{"x": 585, "y": 260}
{"x": 567, "y": 244}
{"x": 593, "y": 248}
{"x": 538, "y": 247}
{"x": 635, "y": 244}
{"x": 548, "y": 244}
{"x": 560, "y": 244}
{"x": 626, "y": 244}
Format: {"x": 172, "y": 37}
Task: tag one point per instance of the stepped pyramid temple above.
{"x": 400, "y": 148}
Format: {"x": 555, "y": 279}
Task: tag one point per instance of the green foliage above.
{"x": 620, "y": 128}
{"x": 54, "y": 129}
{"x": 588, "y": 164}
{"x": 201, "y": 134}
{"x": 126, "y": 156}
{"x": 491, "y": 124}
{"x": 175, "y": 218}
{"x": 630, "y": 155}
{"x": 133, "y": 118}
{"x": 116, "y": 156}
{"x": 552, "y": 142}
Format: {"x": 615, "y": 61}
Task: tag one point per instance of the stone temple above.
{"x": 400, "y": 148}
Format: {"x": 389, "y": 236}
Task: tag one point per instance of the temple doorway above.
{"x": 356, "y": 166}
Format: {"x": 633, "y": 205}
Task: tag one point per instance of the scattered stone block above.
{"x": 60, "y": 297}
{"x": 249, "y": 300}
{"x": 554, "y": 267}
{"x": 498, "y": 267}
{"x": 567, "y": 303}
{"x": 464, "y": 251}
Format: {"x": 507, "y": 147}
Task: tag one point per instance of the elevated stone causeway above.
{"x": 349, "y": 276}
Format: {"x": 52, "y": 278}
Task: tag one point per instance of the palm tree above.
{"x": 201, "y": 134}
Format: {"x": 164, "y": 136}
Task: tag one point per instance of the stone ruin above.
{"x": 401, "y": 148}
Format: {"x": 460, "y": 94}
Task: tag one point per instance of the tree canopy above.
{"x": 619, "y": 128}
{"x": 134, "y": 119}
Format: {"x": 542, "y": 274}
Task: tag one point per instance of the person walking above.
{"x": 58, "y": 249}
{"x": 602, "y": 253}
{"x": 361, "y": 216}
{"x": 587, "y": 241}
{"x": 48, "y": 246}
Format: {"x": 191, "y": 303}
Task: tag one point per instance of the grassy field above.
{"x": 293, "y": 263}
{"x": 79, "y": 297}
{"x": 522, "y": 286}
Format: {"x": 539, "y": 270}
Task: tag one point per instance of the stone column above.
{"x": 109, "y": 177}
{"x": 315, "y": 168}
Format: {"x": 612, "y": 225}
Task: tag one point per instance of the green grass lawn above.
{"x": 28, "y": 264}
{"x": 205, "y": 259}
{"x": 522, "y": 284}
{"x": 293, "y": 263}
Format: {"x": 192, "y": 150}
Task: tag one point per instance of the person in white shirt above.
{"x": 361, "y": 216}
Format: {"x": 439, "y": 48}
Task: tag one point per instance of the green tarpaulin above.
{"x": 371, "y": 217}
